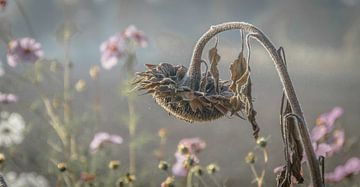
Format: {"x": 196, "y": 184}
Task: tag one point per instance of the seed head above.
{"x": 61, "y": 166}
{"x": 197, "y": 170}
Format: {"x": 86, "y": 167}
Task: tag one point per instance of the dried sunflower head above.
{"x": 166, "y": 84}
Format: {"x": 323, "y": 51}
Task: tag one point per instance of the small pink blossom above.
{"x": 25, "y": 50}
{"x": 195, "y": 145}
{"x": 111, "y": 51}
{"x": 351, "y": 167}
{"x": 338, "y": 140}
{"x": 328, "y": 119}
{"x": 8, "y": 98}
{"x": 103, "y": 137}
{"x": 133, "y": 34}
{"x": 318, "y": 132}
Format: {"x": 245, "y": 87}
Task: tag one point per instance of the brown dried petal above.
{"x": 214, "y": 58}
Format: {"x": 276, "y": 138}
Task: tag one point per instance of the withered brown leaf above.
{"x": 214, "y": 58}
{"x": 238, "y": 68}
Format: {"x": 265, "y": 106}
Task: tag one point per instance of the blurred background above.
{"x": 322, "y": 44}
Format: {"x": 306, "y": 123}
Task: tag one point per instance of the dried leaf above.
{"x": 214, "y": 58}
{"x": 237, "y": 69}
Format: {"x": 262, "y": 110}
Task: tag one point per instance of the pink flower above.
{"x": 3, "y": 4}
{"x": 8, "y": 98}
{"x": 322, "y": 149}
{"x": 195, "y": 145}
{"x": 328, "y": 119}
{"x": 138, "y": 37}
{"x": 351, "y": 167}
{"x": 25, "y": 50}
{"x": 111, "y": 51}
{"x": 338, "y": 140}
{"x": 318, "y": 132}
{"x": 103, "y": 137}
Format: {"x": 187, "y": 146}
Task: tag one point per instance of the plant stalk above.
{"x": 194, "y": 76}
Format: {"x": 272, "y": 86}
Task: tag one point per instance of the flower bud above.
{"x": 212, "y": 168}
{"x": 169, "y": 182}
{"x": 80, "y": 85}
{"x": 262, "y": 142}
{"x": 2, "y": 158}
{"x": 197, "y": 170}
{"x": 114, "y": 164}
{"x": 94, "y": 72}
{"x": 183, "y": 149}
{"x": 163, "y": 165}
{"x": 61, "y": 166}
{"x": 250, "y": 158}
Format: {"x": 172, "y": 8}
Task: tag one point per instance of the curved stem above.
{"x": 194, "y": 76}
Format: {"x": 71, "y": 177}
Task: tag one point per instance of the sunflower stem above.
{"x": 194, "y": 76}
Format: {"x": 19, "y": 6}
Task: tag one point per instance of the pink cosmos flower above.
{"x": 103, "y": 137}
{"x": 195, "y": 145}
{"x": 351, "y": 167}
{"x": 8, "y": 98}
{"x": 111, "y": 51}
{"x": 338, "y": 140}
{"x": 138, "y": 37}
{"x": 25, "y": 50}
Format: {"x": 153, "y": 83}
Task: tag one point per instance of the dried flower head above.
{"x": 193, "y": 145}
{"x": 114, "y": 164}
{"x": 25, "y": 50}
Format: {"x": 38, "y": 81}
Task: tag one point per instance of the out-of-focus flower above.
{"x": 26, "y": 180}
{"x": 61, "y": 166}
{"x": 80, "y": 85}
{"x": 250, "y": 158}
{"x": 195, "y": 145}
{"x": 12, "y": 128}
{"x": 103, "y": 137}
{"x": 87, "y": 177}
{"x": 338, "y": 140}
{"x": 183, "y": 164}
{"x": 350, "y": 168}
{"x": 129, "y": 178}
{"x": 162, "y": 133}
{"x": 322, "y": 149}
{"x": 25, "y": 50}
{"x": 114, "y": 164}
{"x": 94, "y": 72}
{"x": 132, "y": 34}
{"x": 212, "y": 168}
{"x": 328, "y": 119}
{"x": 262, "y": 142}
{"x": 169, "y": 182}
{"x": 318, "y": 132}
{"x": 3, "y": 4}
{"x": 111, "y": 50}
{"x": 2, "y": 158}
{"x": 163, "y": 165}
{"x": 8, "y": 98}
